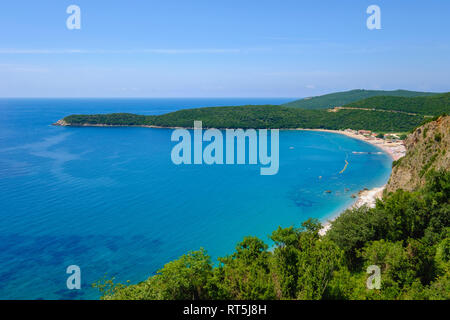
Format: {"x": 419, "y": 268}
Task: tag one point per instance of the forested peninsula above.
{"x": 380, "y": 114}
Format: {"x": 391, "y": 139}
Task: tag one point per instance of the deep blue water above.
{"x": 111, "y": 201}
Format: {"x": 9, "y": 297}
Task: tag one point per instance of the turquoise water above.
{"x": 111, "y": 201}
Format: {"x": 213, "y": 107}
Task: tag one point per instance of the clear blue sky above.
{"x": 228, "y": 48}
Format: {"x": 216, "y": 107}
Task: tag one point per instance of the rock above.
{"x": 426, "y": 149}
{"x": 61, "y": 123}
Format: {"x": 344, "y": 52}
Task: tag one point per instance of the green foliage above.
{"x": 304, "y": 263}
{"x": 431, "y": 105}
{"x": 428, "y": 120}
{"x": 245, "y": 274}
{"x": 442, "y": 257}
{"x": 409, "y": 109}
{"x": 354, "y": 228}
{"x": 392, "y": 259}
{"x": 396, "y": 162}
{"x": 427, "y": 165}
{"x": 286, "y": 260}
{"x": 185, "y": 278}
{"x": 438, "y": 137}
{"x": 260, "y": 117}
{"x": 317, "y": 263}
{"x": 406, "y": 215}
{"x": 342, "y": 98}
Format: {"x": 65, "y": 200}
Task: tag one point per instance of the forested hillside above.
{"x": 257, "y": 117}
{"x": 341, "y": 98}
{"x": 433, "y": 105}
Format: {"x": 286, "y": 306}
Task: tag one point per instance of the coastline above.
{"x": 365, "y": 197}
{"x": 370, "y": 196}
{"x": 395, "y": 150}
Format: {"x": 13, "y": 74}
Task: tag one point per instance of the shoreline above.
{"x": 365, "y": 197}
{"x": 395, "y": 150}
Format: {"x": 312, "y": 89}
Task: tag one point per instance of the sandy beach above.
{"x": 395, "y": 150}
{"x": 365, "y": 197}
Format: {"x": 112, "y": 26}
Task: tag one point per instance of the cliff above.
{"x": 426, "y": 149}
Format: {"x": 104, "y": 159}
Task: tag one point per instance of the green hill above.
{"x": 404, "y": 115}
{"x": 257, "y": 117}
{"x": 431, "y": 105}
{"x": 341, "y": 98}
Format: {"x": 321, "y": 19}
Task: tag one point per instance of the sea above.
{"x": 111, "y": 201}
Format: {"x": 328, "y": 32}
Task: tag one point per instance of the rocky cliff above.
{"x": 427, "y": 148}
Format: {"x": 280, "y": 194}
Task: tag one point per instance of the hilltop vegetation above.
{"x": 432, "y": 105}
{"x": 342, "y": 98}
{"x": 257, "y": 117}
{"x": 407, "y": 113}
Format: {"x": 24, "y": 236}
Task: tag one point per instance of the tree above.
{"x": 354, "y": 228}
{"x": 245, "y": 274}
{"x": 182, "y": 279}
{"x": 286, "y": 259}
{"x": 316, "y": 265}
{"x": 396, "y": 269}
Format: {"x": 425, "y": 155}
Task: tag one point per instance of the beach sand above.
{"x": 395, "y": 150}
{"x": 365, "y": 197}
